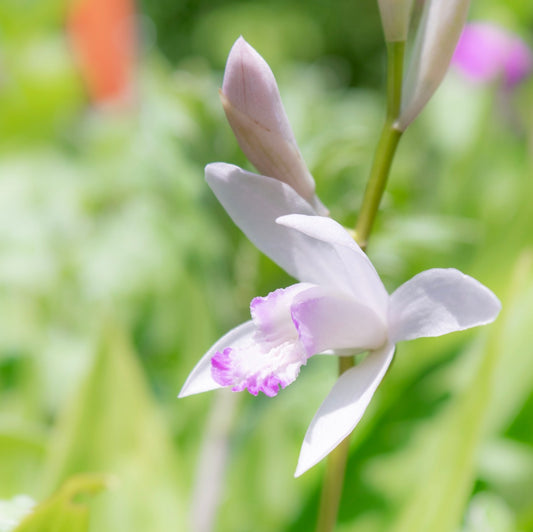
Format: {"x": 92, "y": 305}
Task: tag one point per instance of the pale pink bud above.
{"x": 395, "y": 15}
{"x": 437, "y": 36}
{"x": 254, "y": 110}
{"x": 487, "y": 52}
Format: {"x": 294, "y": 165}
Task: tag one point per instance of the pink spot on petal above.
{"x": 272, "y": 356}
{"x": 228, "y": 368}
{"x": 271, "y": 386}
{"x": 221, "y": 369}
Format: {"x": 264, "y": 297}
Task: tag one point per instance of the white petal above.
{"x": 343, "y": 407}
{"x": 254, "y": 202}
{"x": 437, "y": 302}
{"x": 333, "y": 258}
{"x": 272, "y": 315}
{"x": 200, "y": 380}
{"x": 328, "y": 320}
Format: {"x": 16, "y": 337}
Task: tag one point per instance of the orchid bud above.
{"x": 437, "y": 36}
{"x": 487, "y": 52}
{"x": 395, "y": 15}
{"x": 253, "y": 107}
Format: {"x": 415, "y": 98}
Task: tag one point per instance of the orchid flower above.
{"x": 253, "y": 107}
{"x": 486, "y": 52}
{"x": 340, "y": 307}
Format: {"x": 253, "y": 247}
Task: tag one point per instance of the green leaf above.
{"x": 64, "y": 511}
{"x": 21, "y": 452}
{"x": 113, "y": 425}
{"x": 452, "y": 441}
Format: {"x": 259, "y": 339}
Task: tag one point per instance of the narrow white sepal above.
{"x": 343, "y": 407}
{"x": 437, "y": 302}
{"x": 436, "y": 40}
{"x": 254, "y": 202}
{"x": 200, "y": 379}
{"x": 311, "y": 248}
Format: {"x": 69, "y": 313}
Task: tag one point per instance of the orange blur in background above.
{"x": 104, "y": 41}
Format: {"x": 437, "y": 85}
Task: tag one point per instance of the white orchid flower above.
{"x": 339, "y": 307}
{"x": 252, "y": 102}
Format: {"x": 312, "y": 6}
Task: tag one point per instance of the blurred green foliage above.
{"x": 119, "y": 269}
{"x": 67, "y": 510}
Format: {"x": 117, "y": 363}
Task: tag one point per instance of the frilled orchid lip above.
{"x": 274, "y": 354}
{"x": 291, "y": 325}
{"x": 341, "y": 305}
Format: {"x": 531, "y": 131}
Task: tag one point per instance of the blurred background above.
{"x": 118, "y": 269}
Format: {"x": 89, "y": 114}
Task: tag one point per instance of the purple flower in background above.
{"x": 486, "y": 52}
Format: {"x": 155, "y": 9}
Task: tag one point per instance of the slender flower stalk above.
{"x": 332, "y": 487}
{"x": 388, "y": 142}
{"x": 333, "y": 483}
{"x": 434, "y": 48}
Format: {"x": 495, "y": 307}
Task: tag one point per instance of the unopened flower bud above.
{"x": 395, "y": 15}
{"x": 438, "y": 33}
{"x": 253, "y": 107}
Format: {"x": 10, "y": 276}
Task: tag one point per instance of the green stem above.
{"x": 336, "y": 463}
{"x": 330, "y": 497}
{"x": 395, "y": 55}
{"x": 388, "y": 142}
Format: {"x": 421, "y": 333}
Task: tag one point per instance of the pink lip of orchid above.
{"x": 487, "y": 52}
{"x": 253, "y": 107}
{"x": 339, "y": 307}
